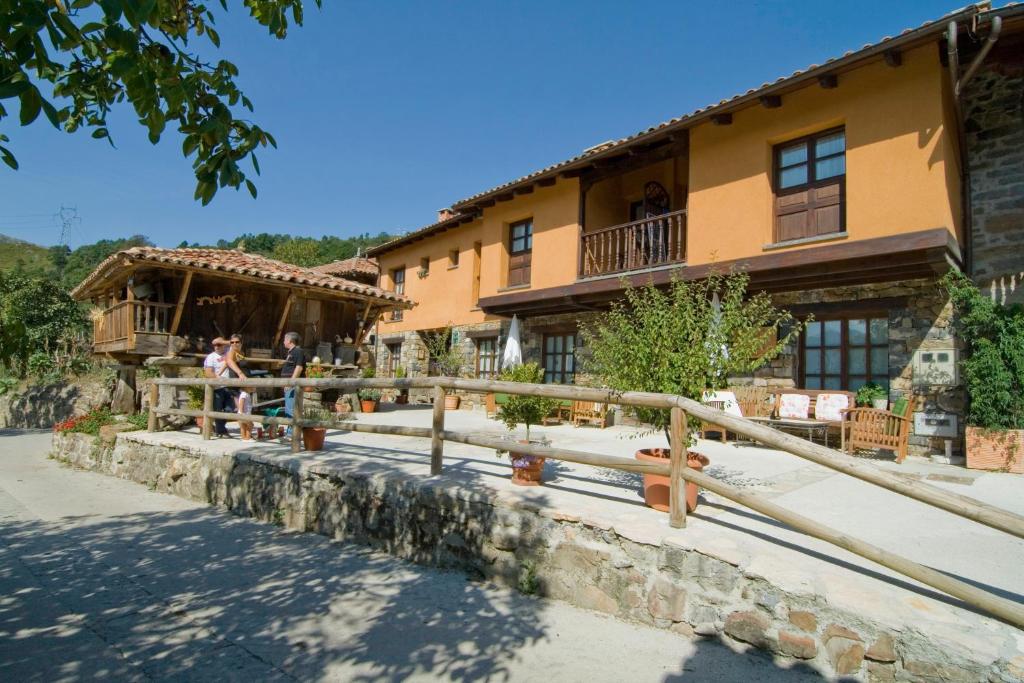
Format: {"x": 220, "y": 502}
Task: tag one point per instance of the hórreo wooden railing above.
{"x": 676, "y": 469}
{"x": 646, "y": 243}
{"x": 122, "y": 320}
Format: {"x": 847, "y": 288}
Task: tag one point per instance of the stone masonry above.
{"x": 994, "y": 123}
{"x": 442, "y": 524}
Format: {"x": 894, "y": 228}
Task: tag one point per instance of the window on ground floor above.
{"x": 559, "y": 358}
{"x": 394, "y": 357}
{"x": 845, "y": 353}
{"x": 487, "y": 357}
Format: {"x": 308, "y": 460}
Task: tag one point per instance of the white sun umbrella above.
{"x": 513, "y": 351}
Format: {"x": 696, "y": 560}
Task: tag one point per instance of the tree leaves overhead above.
{"x": 94, "y": 54}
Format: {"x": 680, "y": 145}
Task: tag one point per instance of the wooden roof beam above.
{"x": 722, "y": 119}
{"x": 893, "y": 58}
{"x": 547, "y": 182}
{"x": 828, "y": 81}
{"x": 771, "y": 101}
{"x": 526, "y": 189}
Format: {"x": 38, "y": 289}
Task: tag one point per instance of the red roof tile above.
{"x": 241, "y": 263}
{"x": 357, "y": 265}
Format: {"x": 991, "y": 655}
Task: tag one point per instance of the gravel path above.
{"x": 101, "y": 578}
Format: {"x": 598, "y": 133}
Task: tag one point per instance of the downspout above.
{"x": 957, "y": 86}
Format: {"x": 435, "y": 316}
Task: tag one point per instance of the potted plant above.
{"x": 993, "y": 374}
{"x": 368, "y": 399}
{"x": 195, "y": 402}
{"x": 686, "y": 341}
{"x": 313, "y": 437}
{"x": 527, "y": 411}
{"x": 403, "y": 394}
{"x": 873, "y": 394}
{"x": 315, "y": 371}
{"x": 446, "y": 359}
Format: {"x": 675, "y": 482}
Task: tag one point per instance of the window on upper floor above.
{"x": 520, "y": 252}
{"x": 810, "y": 186}
{"x": 398, "y": 287}
{"x": 424, "y": 266}
{"x": 453, "y": 258}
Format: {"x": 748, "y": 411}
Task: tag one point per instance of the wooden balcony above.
{"x": 133, "y": 327}
{"x": 643, "y": 244}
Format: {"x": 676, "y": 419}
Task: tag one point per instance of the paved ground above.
{"x": 100, "y": 578}
{"x": 758, "y": 545}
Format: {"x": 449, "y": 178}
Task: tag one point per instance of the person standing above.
{"x": 243, "y": 398}
{"x": 294, "y": 365}
{"x": 216, "y": 365}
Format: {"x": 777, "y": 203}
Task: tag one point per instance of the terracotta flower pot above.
{"x": 451, "y": 402}
{"x": 656, "y": 487}
{"x": 313, "y": 438}
{"x": 368, "y": 405}
{"x": 992, "y": 449}
{"x": 527, "y": 470}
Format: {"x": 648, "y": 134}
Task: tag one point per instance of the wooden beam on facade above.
{"x": 828, "y": 81}
{"x": 526, "y": 189}
{"x": 771, "y": 101}
{"x": 284, "y": 319}
{"x": 893, "y": 58}
{"x": 504, "y": 197}
{"x": 182, "y": 299}
{"x": 485, "y": 204}
{"x": 722, "y": 119}
{"x": 547, "y": 182}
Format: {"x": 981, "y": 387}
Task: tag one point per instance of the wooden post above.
{"x": 436, "y": 442}
{"x": 182, "y": 297}
{"x": 207, "y": 407}
{"x": 297, "y": 420}
{"x": 677, "y": 462}
{"x": 154, "y": 397}
{"x": 284, "y": 320}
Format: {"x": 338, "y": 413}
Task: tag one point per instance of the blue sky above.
{"x": 387, "y": 111}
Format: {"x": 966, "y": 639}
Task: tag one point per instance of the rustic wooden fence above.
{"x": 676, "y": 469}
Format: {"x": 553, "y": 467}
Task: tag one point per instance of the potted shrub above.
{"x": 683, "y": 341}
{"x": 874, "y": 395}
{"x": 525, "y": 410}
{"x": 446, "y": 359}
{"x": 195, "y": 402}
{"x": 403, "y": 394}
{"x": 993, "y": 375}
{"x": 313, "y": 437}
{"x": 368, "y": 400}
{"x": 315, "y": 371}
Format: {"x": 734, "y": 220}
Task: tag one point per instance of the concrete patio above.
{"x": 801, "y": 568}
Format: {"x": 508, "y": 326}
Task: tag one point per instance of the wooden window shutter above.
{"x": 810, "y": 186}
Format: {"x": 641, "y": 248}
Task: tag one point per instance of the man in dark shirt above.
{"x": 294, "y": 364}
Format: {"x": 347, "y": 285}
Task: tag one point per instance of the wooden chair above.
{"x": 490, "y": 405}
{"x": 872, "y": 428}
{"x": 589, "y": 412}
{"x": 755, "y": 402}
{"x": 707, "y": 426}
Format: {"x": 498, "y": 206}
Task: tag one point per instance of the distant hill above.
{"x": 32, "y": 256}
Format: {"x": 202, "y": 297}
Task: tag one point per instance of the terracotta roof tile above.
{"x": 242, "y": 263}
{"x": 357, "y": 265}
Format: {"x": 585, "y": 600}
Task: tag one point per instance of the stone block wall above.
{"x": 994, "y": 124}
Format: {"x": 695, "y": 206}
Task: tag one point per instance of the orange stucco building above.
{"x": 840, "y": 189}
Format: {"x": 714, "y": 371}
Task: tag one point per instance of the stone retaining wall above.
{"x": 441, "y": 524}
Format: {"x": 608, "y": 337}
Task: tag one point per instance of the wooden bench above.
{"x": 589, "y": 412}
{"x": 810, "y": 423}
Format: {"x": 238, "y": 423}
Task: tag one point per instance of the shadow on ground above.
{"x": 200, "y": 595}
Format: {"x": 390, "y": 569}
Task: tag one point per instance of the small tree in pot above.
{"x": 525, "y": 410}
{"x": 683, "y": 340}
{"x": 445, "y": 359}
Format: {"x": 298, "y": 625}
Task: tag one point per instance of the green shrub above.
{"x": 525, "y": 410}
{"x": 869, "y": 392}
{"x": 993, "y": 370}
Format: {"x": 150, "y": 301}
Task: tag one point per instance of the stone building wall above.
{"x": 994, "y": 123}
{"x": 922, "y": 323}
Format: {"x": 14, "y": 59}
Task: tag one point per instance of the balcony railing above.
{"x": 647, "y": 243}
{"x": 119, "y": 323}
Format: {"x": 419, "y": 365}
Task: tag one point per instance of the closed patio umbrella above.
{"x": 513, "y": 352}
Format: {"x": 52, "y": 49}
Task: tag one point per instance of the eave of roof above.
{"x": 238, "y": 264}
{"x": 420, "y": 233}
{"x": 780, "y": 86}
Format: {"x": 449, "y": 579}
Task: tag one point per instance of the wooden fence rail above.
{"x": 675, "y": 469}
